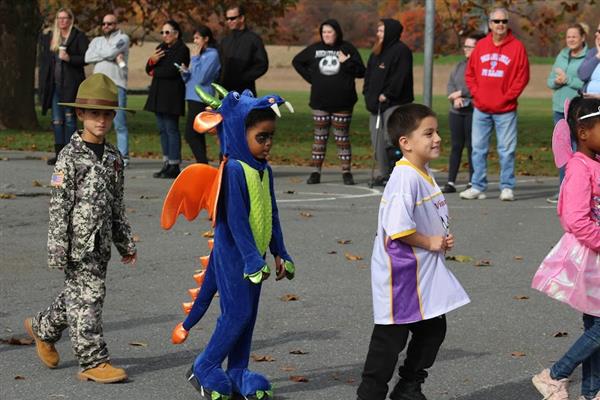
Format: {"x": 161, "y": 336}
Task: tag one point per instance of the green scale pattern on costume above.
{"x": 261, "y": 213}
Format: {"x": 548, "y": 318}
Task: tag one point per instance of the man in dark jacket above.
{"x": 388, "y": 84}
{"x": 243, "y": 55}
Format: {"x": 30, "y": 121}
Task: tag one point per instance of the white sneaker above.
{"x": 507, "y": 195}
{"x": 472, "y": 194}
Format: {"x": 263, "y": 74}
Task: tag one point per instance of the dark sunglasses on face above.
{"x": 263, "y": 137}
{"x": 166, "y": 32}
{"x": 232, "y": 18}
{"x": 500, "y": 21}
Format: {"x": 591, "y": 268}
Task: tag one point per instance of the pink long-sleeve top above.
{"x": 579, "y": 201}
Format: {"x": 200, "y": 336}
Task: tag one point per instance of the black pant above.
{"x": 386, "y": 344}
{"x": 460, "y": 135}
{"x": 196, "y": 140}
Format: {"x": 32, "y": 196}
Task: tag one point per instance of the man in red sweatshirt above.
{"x": 497, "y": 73}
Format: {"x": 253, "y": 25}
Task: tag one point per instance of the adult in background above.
{"x": 203, "y": 70}
{"x": 110, "y": 54}
{"x": 330, "y": 66}
{"x": 62, "y": 58}
{"x": 496, "y": 74}
{"x": 460, "y": 116}
{"x": 589, "y": 71}
{"x": 563, "y": 79}
{"x": 243, "y": 55}
{"x": 167, "y": 95}
{"x": 388, "y": 84}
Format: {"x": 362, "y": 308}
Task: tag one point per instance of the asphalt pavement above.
{"x": 494, "y": 345}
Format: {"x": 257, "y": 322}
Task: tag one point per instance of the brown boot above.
{"x": 45, "y": 351}
{"x": 103, "y": 373}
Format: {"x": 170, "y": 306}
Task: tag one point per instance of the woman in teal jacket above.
{"x": 563, "y": 79}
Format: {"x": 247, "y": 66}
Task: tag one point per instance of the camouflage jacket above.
{"x": 87, "y": 212}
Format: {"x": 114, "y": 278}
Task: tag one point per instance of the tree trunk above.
{"x": 20, "y": 24}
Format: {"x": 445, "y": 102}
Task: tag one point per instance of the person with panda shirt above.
{"x": 331, "y": 66}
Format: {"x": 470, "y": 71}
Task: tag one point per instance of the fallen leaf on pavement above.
{"x": 298, "y": 378}
{"x": 261, "y": 358}
{"x": 298, "y": 351}
{"x": 136, "y": 238}
{"x": 517, "y": 354}
{"x": 305, "y": 214}
{"x": 287, "y": 369}
{"x": 138, "y": 344}
{"x": 19, "y": 378}
{"x": 459, "y": 258}
{"x": 483, "y": 263}
{"x": 332, "y": 252}
{"x": 352, "y": 257}
{"x": 208, "y": 234}
{"x": 289, "y": 297}
{"x": 518, "y": 258}
{"x": 291, "y": 192}
{"x": 7, "y": 196}
{"x": 521, "y": 297}
{"x": 16, "y": 341}
{"x": 36, "y": 183}
{"x": 344, "y": 241}
{"x": 561, "y": 334}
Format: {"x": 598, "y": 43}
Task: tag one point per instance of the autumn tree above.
{"x": 21, "y": 22}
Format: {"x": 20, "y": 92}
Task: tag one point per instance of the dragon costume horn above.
{"x": 220, "y": 90}
{"x": 208, "y": 99}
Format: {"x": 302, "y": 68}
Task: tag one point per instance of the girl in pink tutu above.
{"x": 571, "y": 272}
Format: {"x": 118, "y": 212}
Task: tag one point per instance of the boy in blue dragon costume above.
{"x": 246, "y": 225}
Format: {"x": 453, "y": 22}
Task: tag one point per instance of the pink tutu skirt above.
{"x": 571, "y": 273}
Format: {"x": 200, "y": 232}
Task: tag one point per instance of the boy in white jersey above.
{"x": 412, "y": 288}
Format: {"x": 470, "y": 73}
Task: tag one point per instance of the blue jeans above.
{"x": 64, "y": 121}
{"x": 121, "y": 124}
{"x": 585, "y": 351}
{"x": 170, "y": 138}
{"x": 506, "y": 136}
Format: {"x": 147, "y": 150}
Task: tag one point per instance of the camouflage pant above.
{"x": 78, "y": 307}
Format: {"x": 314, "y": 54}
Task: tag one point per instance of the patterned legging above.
{"x": 341, "y": 132}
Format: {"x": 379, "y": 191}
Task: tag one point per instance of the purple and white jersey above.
{"x": 409, "y": 283}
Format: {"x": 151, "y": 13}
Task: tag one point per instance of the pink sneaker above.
{"x": 551, "y": 389}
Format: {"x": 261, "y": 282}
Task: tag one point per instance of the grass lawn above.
{"x": 294, "y": 136}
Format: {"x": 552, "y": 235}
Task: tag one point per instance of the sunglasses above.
{"x": 108, "y": 23}
{"x": 500, "y": 21}
{"x": 232, "y": 18}
{"x": 264, "y": 137}
{"x": 166, "y": 32}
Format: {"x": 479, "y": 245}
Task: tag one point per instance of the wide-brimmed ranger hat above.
{"x": 97, "y": 92}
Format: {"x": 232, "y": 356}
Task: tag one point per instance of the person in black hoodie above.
{"x": 388, "y": 84}
{"x": 62, "y": 58}
{"x": 331, "y": 66}
{"x": 243, "y": 55}
{"x": 167, "y": 95}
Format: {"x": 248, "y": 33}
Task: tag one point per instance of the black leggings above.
{"x": 387, "y": 341}
{"x": 197, "y": 141}
{"x": 460, "y": 136}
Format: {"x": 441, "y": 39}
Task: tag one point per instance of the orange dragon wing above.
{"x": 195, "y": 189}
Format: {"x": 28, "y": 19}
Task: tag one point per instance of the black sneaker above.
{"x": 380, "y": 181}
{"x": 405, "y": 390}
{"x": 162, "y": 171}
{"x": 448, "y": 188}
{"x": 348, "y": 179}
{"x": 315, "y": 177}
{"x": 172, "y": 171}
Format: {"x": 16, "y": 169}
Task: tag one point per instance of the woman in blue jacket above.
{"x": 563, "y": 79}
{"x": 204, "y": 69}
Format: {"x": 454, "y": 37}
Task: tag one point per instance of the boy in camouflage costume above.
{"x": 86, "y": 214}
